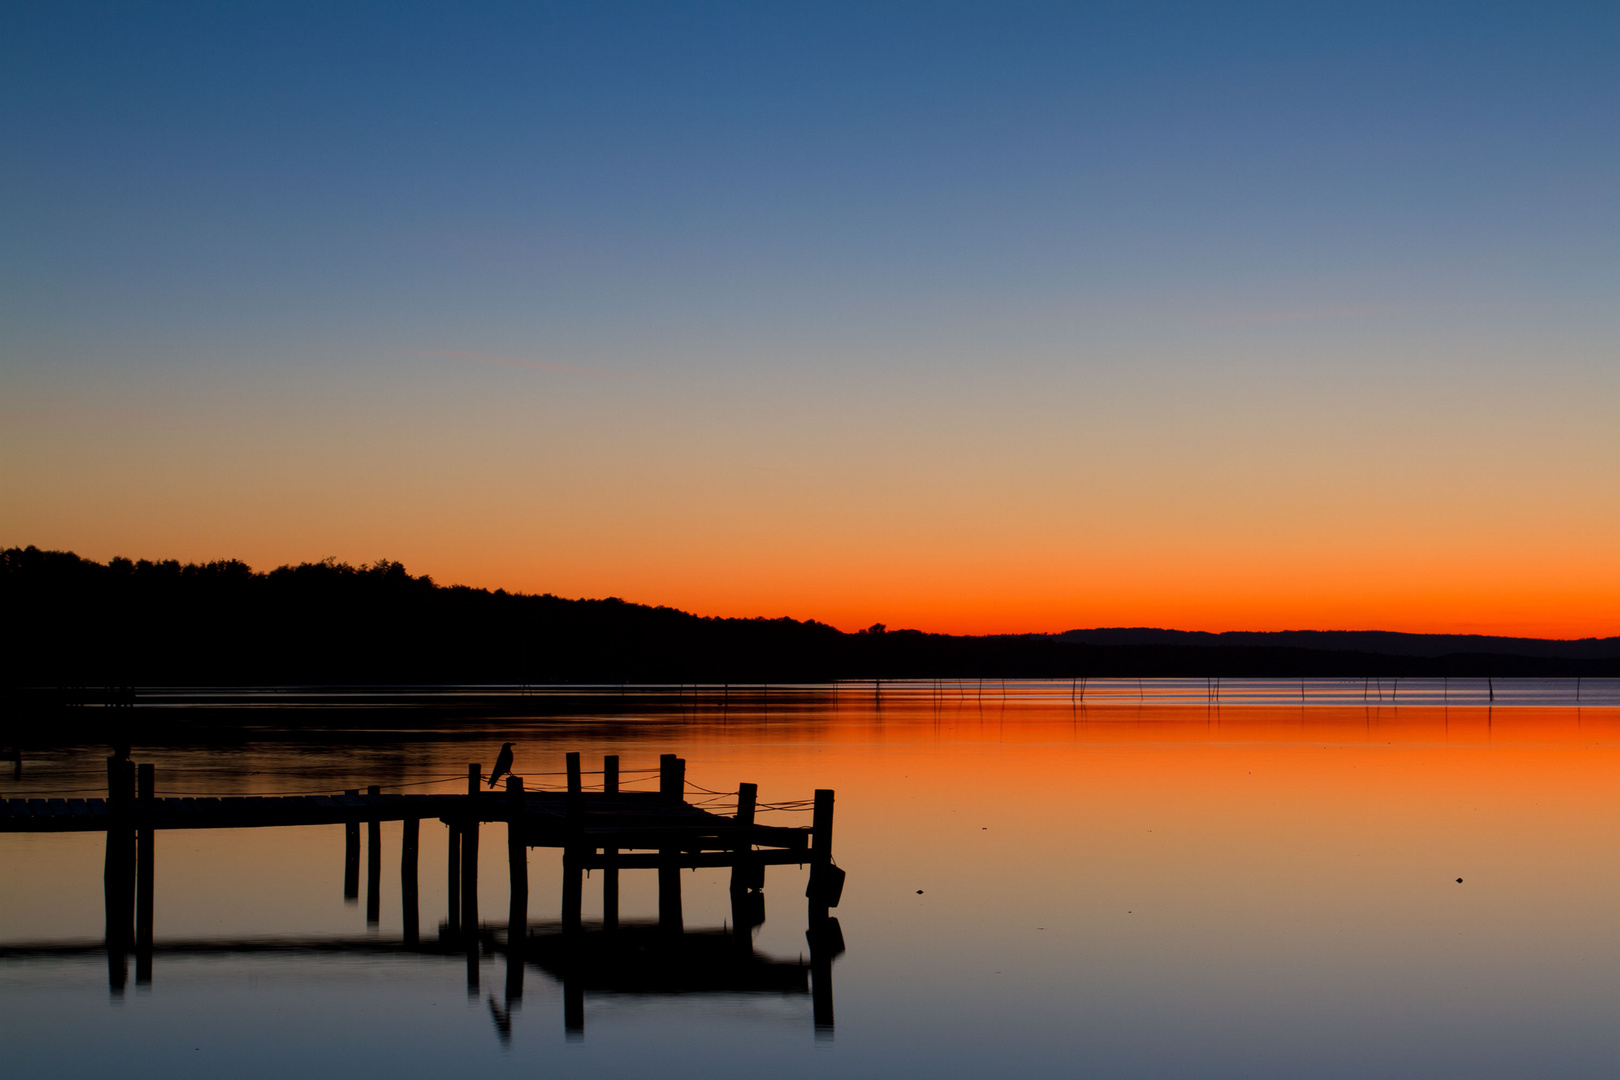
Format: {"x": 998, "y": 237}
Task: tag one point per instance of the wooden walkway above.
{"x": 639, "y": 819}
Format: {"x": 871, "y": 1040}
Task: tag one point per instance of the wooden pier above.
{"x": 609, "y": 830}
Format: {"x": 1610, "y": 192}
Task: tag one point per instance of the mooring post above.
{"x": 517, "y": 915}
{"x": 373, "y": 865}
{"x": 469, "y": 859}
{"x": 610, "y": 774}
{"x": 820, "y": 889}
{"x": 351, "y": 857}
{"x": 144, "y": 864}
{"x": 410, "y": 835}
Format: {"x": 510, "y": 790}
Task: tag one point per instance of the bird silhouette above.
{"x": 503, "y": 764}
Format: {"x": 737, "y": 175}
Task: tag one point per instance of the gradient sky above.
{"x": 962, "y": 317}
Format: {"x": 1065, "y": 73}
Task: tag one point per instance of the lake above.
{"x": 1265, "y": 879}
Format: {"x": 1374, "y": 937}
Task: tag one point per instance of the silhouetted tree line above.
{"x": 73, "y": 622}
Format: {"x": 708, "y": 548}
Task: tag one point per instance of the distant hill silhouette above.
{"x": 73, "y": 622}
{"x": 1383, "y": 642}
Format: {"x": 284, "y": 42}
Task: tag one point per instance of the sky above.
{"x": 962, "y": 317}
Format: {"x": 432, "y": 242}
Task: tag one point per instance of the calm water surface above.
{"x": 1037, "y": 886}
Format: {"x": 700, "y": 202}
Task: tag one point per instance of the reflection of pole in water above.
{"x": 453, "y": 882}
{"x": 826, "y": 940}
{"x": 351, "y": 858}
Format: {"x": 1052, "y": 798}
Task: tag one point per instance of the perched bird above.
{"x": 503, "y": 764}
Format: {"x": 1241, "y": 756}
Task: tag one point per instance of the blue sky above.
{"x": 896, "y": 225}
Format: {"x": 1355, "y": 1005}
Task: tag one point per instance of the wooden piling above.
{"x": 114, "y": 874}
{"x": 410, "y": 835}
{"x": 118, "y": 871}
{"x": 373, "y": 866}
{"x": 469, "y": 861}
{"x": 672, "y": 778}
{"x": 517, "y": 916}
{"x": 745, "y": 876}
{"x": 670, "y": 919}
{"x": 821, "y": 889}
{"x": 610, "y": 889}
{"x": 610, "y": 869}
{"x": 573, "y": 891}
{"x": 144, "y": 866}
{"x": 576, "y": 791}
{"x": 672, "y": 788}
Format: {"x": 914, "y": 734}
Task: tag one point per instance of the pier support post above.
{"x": 118, "y": 873}
{"x": 469, "y": 860}
{"x": 573, "y": 890}
{"x": 118, "y": 886}
{"x": 351, "y": 857}
{"x": 741, "y": 873}
{"x": 410, "y": 835}
{"x": 747, "y": 876}
{"x": 610, "y": 867}
{"x": 145, "y": 862}
{"x": 672, "y": 778}
{"x": 822, "y": 890}
{"x": 373, "y": 866}
{"x": 610, "y": 889}
{"x": 517, "y": 915}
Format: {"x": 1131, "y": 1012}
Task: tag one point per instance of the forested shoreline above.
{"x": 72, "y": 621}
